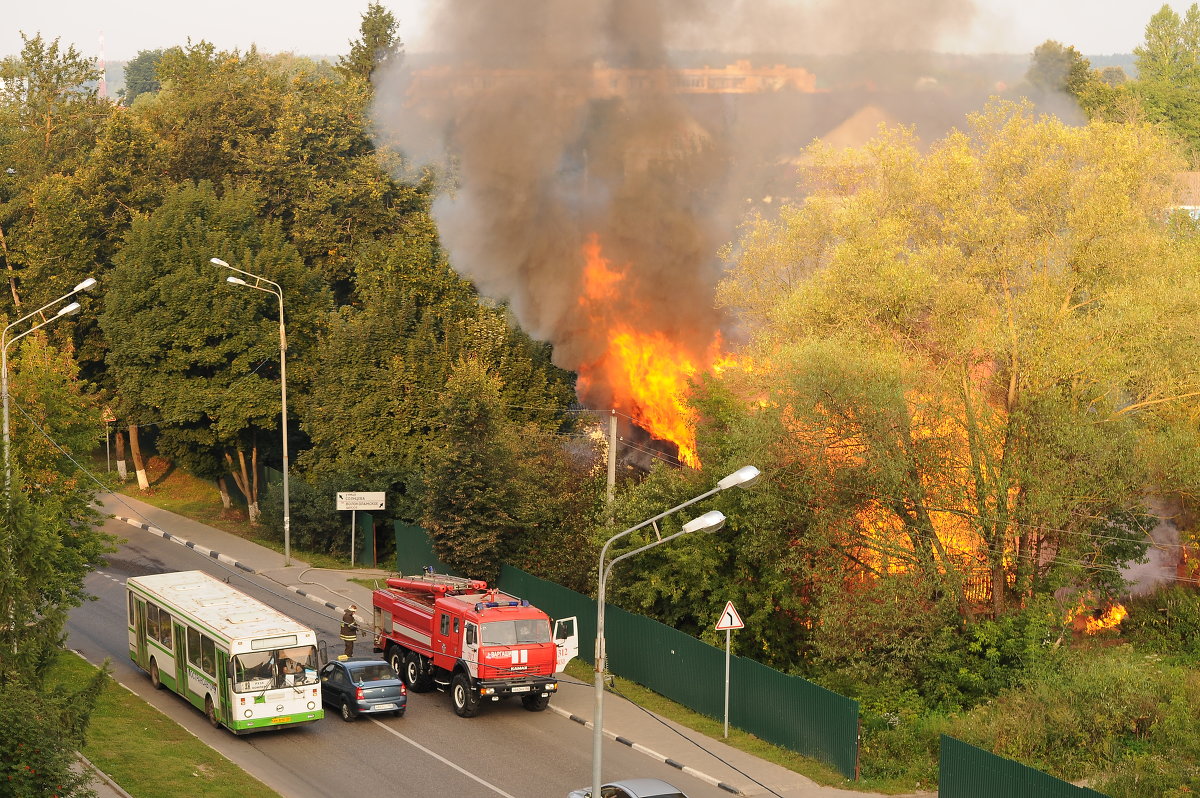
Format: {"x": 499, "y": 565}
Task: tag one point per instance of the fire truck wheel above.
{"x": 395, "y": 658}
{"x": 416, "y": 674}
{"x": 154, "y": 678}
{"x": 466, "y": 701}
{"x": 535, "y": 703}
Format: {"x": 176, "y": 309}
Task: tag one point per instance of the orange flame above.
{"x": 647, "y": 372}
{"x": 1109, "y": 620}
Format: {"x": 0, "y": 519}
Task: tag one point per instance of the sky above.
{"x": 326, "y": 27}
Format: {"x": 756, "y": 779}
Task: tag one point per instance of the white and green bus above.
{"x": 247, "y": 665}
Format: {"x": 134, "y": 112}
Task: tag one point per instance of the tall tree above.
{"x": 378, "y": 46}
{"x": 958, "y": 348}
{"x": 141, "y": 75}
{"x": 193, "y": 354}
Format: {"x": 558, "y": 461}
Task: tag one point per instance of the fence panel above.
{"x": 786, "y": 710}
{"x": 414, "y": 551}
{"x": 965, "y": 771}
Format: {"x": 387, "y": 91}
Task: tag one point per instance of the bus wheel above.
{"x": 154, "y": 679}
{"x": 210, "y": 712}
{"x": 466, "y": 700}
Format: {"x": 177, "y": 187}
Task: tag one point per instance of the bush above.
{"x": 1167, "y": 621}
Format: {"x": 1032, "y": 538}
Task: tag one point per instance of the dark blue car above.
{"x": 361, "y": 685}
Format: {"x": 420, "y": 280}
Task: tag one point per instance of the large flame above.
{"x": 646, "y": 371}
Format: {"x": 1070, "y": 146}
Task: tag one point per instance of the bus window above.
{"x": 253, "y": 671}
{"x": 164, "y": 629}
{"x": 152, "y": 621}
{"x": 132, "y": 614}
{"x": 193, "y": 646}
{"x": 208, "y": 656}
{"x": 298, "y": 665}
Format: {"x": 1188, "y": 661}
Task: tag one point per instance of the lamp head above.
{"x": 236, "y": 280}
{"x": 744, "y": 477}
{"x": 709, "y": 522}
{"x": 67, "y": 310}
{"x": 218, "y": 262}
{"x": 85, "y": 285}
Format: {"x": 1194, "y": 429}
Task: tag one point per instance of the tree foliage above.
{"x": 952, "y": 349}
{"x": 378, "y": 46}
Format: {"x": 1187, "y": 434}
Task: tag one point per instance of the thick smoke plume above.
{"x": 547, "y": 153}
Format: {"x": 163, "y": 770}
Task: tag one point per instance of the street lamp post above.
{"x": 709, "y": 522}
{"x": 6, "y": 342}
{"x": 261, "y": 284}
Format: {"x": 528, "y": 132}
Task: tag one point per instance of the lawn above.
{"x": 146, "y": 752}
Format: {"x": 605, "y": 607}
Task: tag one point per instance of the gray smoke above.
{"x": 542, "y": 154}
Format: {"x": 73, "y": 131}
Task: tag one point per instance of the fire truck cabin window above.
{"x": 510, "y": 633}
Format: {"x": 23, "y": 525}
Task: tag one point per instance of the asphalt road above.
{"x": 505, "y": 751}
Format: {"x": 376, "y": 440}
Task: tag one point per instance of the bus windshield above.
{"x": 512, "y": 633}
{"x": 256, "y": 671}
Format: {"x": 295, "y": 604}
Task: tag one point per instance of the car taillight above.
{"x": 403, "y": 689}
{"x": 358, "y": 693}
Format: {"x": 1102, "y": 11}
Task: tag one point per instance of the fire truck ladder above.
{"x": 450, "y": 583}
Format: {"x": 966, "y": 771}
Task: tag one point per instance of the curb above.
{"x": 104, "y": 777}
{"x": 216, "y": 555}
{"x": 652, "y": 753}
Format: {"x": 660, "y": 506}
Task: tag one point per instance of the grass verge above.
{"x": 146, "y": 752}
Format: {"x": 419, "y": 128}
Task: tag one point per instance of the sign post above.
{"x": 355, "y": 501}
{"x": 729, "y": 620}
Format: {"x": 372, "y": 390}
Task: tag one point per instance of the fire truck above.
{"x": 453, "y": 633}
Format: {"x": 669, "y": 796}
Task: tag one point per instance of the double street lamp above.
{"x": 6, "y": 342}
{"x": 709, "y": 522}
{"x": 270, "y": 287}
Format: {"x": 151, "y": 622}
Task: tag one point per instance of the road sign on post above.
{"x": 355, "y": 501}
{"x": 729, "y": 620}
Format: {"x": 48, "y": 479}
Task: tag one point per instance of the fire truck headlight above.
{"x": 486, "y": 690}
{"x": 552, "y": 686}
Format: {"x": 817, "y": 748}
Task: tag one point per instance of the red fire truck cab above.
{"x": 456, "y": 634}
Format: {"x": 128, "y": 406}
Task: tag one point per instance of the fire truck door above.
{"x": 471, "y": 647}
{"x": 566, "y": 642}
{"x": 447, "y": 638}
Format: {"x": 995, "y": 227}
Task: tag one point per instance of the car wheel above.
{"x": 466, "y": 701}
{"x": 535, "y": 703}
{"x": 347, "y": 713}
{"x": 210, "y": 712}
{"x": 154, "y": 677}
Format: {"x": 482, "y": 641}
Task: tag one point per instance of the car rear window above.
{"x": 373, "y": 673}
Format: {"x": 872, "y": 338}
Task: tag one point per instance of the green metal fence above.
{"x": 785, "y": 710}
{"x": 414, "y": 551}
{"x": 965, "y": 771}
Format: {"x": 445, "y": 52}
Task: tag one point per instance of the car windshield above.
{"x": 511, "y": 633}
{"x": 373, "y": 672}
{"x": 256, "y": 671}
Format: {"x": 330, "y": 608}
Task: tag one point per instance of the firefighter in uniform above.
{"x": 349, "y": 632}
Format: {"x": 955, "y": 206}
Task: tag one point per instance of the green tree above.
{"x": 961, "y": 357}
{"x": 379, "y": 46}
{"x": 1168, "y": 65}
{"x": 49, "y": 114}
{"x": 198, "y": 356}
{"x": 469, "y": 501}
{"x": 141, "y": 75}
{"x": 1058, "y": 68}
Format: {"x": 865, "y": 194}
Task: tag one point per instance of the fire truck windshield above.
{"x": 512, "y": 633}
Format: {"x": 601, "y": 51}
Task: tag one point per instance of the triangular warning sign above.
{"x": 730, "y": 618}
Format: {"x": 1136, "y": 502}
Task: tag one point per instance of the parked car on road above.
{"x": 632, "y": 788}
{"x": 362, "y": 685}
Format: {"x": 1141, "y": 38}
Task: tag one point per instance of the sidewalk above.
{"x": 730, "y": 769}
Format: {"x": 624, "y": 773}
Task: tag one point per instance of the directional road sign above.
{"x": 730, "y": 618}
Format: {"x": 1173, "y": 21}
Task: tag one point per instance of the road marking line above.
{"x": 441, "y": 758}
